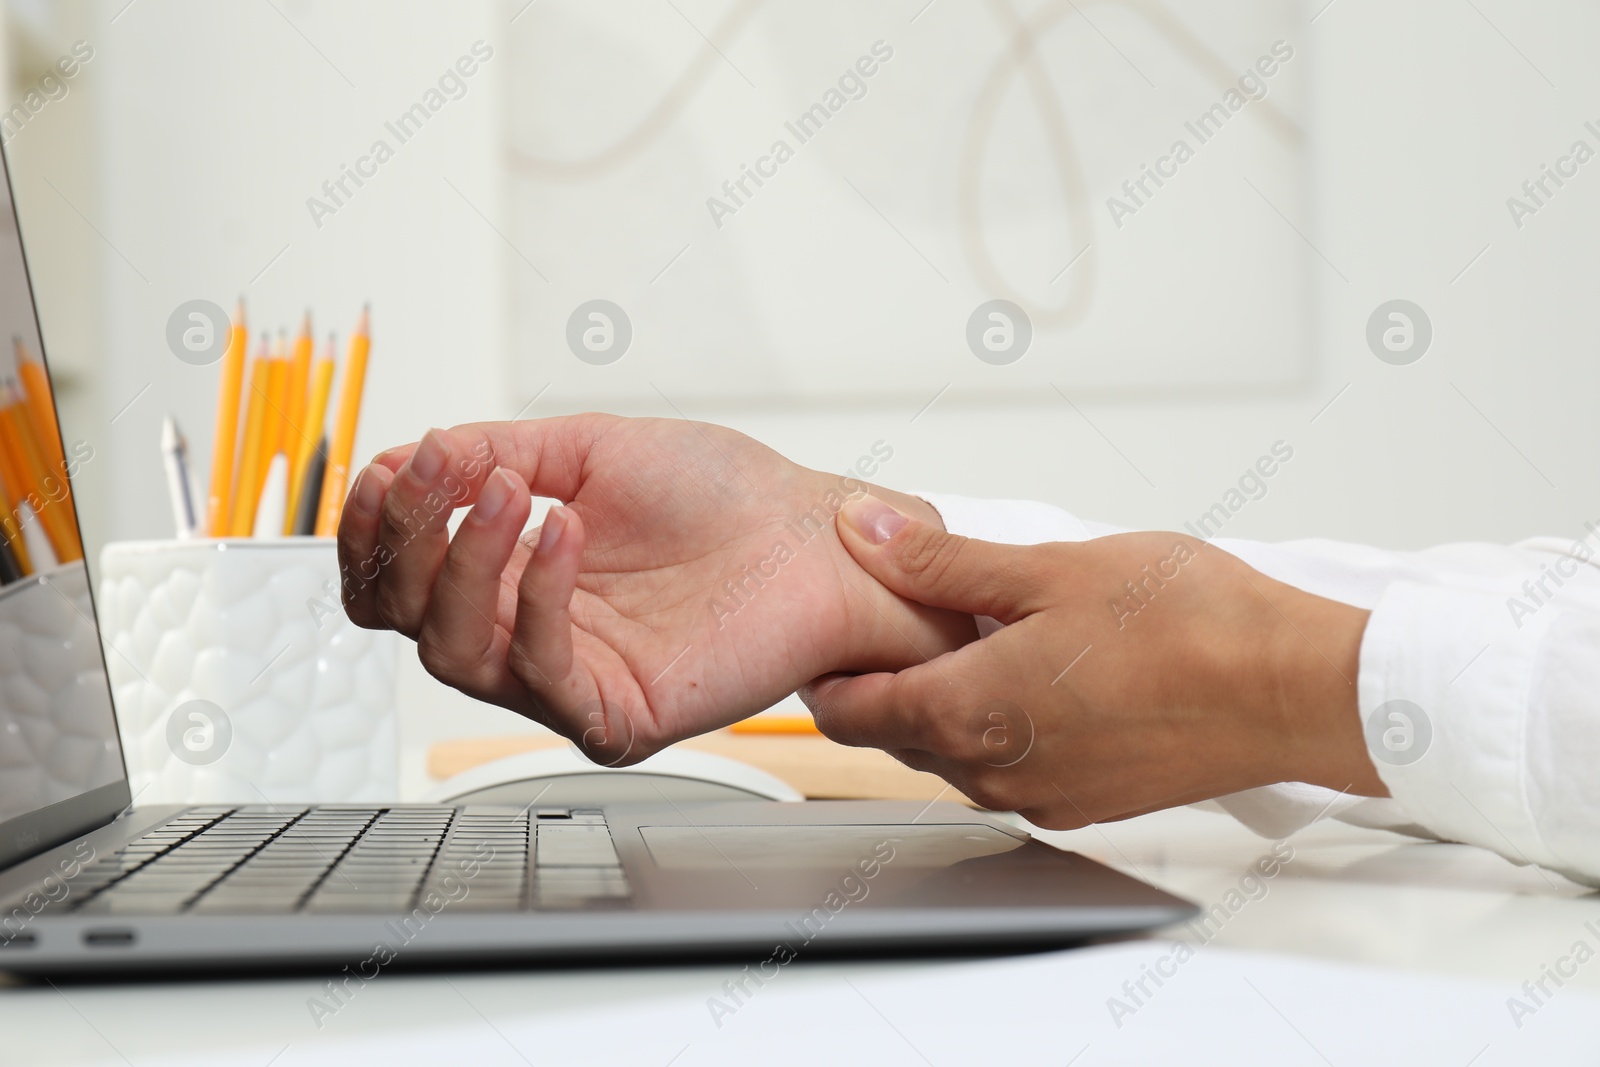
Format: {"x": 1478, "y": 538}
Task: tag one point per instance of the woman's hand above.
{"x": 692, "y": 578}
{"x": 1134, "y": 672}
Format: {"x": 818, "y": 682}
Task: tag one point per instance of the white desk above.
{"x": 1346, "y": 895}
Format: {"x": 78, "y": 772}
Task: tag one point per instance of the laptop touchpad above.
{"x": 692, "y": 848}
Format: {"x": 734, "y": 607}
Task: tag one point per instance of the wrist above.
{"x": 1311, "y": 695}
{"x": 886, "y": 632}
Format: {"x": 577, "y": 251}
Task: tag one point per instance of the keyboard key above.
{"x": 567, "y": 848}
{"x": 358, "y": 860}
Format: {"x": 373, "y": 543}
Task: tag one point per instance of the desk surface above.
{"x": 1346, "y": 894}
{"x": 819, "y": 769}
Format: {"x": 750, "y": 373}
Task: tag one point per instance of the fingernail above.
{"x": 497, "y": 493}
{"x": 368, "y": 494}
{"x": 555, "y": 524}
{"x": 873, "y": 519}
{"x": 428, "y": 460}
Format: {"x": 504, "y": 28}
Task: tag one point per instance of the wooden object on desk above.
{"x": 816, "y": 767}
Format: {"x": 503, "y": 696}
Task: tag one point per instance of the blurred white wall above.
{"x": 212, "y": 125}
{"x": 1228, "y": 313}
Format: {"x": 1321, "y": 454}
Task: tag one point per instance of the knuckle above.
{"x": 403, "y": 520}
{"x": 928, "y": 556}
{"x": 358, "y": 609}
{"x": 394, "y": 610}
{"x": 939, "y": 729}
{"x": 523, "y": 672}
{"x": 361, "y": 618}
{"x": 926, "y": 716}
{"x": 460, "y": 570}
{"x": 945, "y": 736}
{"x": 438, "y": 661}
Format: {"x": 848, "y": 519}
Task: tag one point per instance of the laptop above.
{"x": 89, "y": 883}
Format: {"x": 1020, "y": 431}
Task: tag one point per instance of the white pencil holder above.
{"x": 238, "y": 678}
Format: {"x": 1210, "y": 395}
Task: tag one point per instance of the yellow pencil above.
{"x": 246, "y": 485}
{"x": 37, "y": 485}
{"x": 54, "y": 484}
{"x": 273, "y": 421}
{"x": 337, "y": 479}
{"x": 12, "y": 493}
{"x": 41, "y": 408}
{"x": 777, "y": 725}
{"x": 219, "y": 507}
{"x": 316, "y": 415}
{"x": 294, "y": 412}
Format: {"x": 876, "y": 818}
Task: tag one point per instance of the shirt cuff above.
{"x": 1445, "y": 686}
{"x": 1280, "y": 810}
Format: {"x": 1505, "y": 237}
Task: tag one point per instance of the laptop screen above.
{"x": 61, "y": 769}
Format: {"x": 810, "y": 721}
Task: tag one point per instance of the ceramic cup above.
{"x": 238, "y": 678}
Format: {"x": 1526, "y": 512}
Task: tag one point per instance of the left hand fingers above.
{"x": 460, "y": 631}
{"x": 413, "y": 531}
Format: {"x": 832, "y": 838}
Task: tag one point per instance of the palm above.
{"x": 687, "y": 614}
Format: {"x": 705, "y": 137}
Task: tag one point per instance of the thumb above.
{"x": 939, "y": 569}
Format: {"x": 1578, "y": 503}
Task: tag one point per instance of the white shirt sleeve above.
{"x": 1493, "y": 653}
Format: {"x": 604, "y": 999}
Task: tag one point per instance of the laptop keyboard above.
{"x": 345, "y": 860}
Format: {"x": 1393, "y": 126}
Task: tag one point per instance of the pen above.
{"x": 270, "y": 513}
{"x": 305, "y": 512}
{"x": 10, "y": 569}
{"x": 175, "y": 457}
{"x": 40, "y": 551}
{"x": 313, "y": 442}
